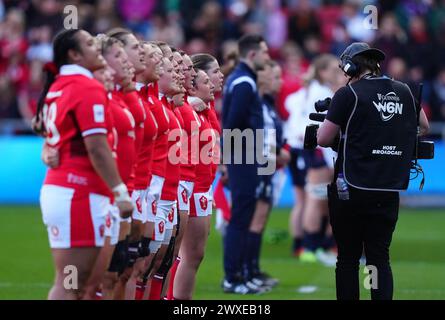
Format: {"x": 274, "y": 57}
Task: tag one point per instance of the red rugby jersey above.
{"x": 145, "y": 155}
{"x": 76, "y": 106}
{"x": 159, "y": 163}
{"x": 216, "y": 125}
{"x": 173, "y": 168}
{"x": 136, "y": 108}
{"x": 204, "y": 175}
{"x": 189, "y": 154}
{"x": 124, "y": 137}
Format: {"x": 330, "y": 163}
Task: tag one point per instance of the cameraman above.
{"x": 376, "y": 119}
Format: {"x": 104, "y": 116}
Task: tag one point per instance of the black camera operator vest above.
{"x": 380, "y": 135}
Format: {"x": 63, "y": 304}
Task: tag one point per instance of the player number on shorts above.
{"x": 49, "y": 117}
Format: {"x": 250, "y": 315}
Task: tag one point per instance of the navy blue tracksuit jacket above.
{"x": 242, "y": 109}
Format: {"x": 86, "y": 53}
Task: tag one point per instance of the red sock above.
{"x": 156, "y": 287}
{"x": 140, "y": 288}
{"x": 172, "y": 278}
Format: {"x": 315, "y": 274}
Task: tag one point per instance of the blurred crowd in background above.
{"x": 410, "y": 32}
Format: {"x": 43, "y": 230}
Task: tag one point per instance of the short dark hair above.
{"x": 249, "y": 42}
{"x": 202, "y": 61}
{"x": 366, "y": 62}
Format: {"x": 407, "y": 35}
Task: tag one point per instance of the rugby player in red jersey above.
{"x": 144, "y": 167}
{"x": 196, "y": 234}
{"x": 156, "y": 222}
{"x": 189, "y": 159}
{"x": 124, "y": 150}
{"x": 169, "y": 87}
{"x": 210, "y": 66}
{"x": 136, "y": 57}
{"x": 75, "y": 198}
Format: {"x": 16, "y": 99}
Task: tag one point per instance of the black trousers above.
{"x": 364, "y": 223}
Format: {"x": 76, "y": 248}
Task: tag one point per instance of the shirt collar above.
{"x": 243, "y": 66}
{"x": 139, "y": 86}
{"x": 75, "y": 69}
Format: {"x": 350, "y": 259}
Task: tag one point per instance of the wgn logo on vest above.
{"x": 388, "y": 105}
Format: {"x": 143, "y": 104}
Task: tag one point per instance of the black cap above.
{"x": 362, "y": 48}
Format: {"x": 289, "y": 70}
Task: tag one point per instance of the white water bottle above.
{"x": 342, "y": 187}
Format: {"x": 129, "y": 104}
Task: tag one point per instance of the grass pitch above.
{"x": 418, "y": 259}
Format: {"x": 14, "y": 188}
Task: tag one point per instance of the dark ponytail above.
{"x": 63, "y": 42}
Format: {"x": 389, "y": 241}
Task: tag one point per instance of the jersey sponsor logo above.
{"x": 171, "y": 215}
{"x": 153, "y": 207}
{"x": 185, "y": 198}
{"x": 99, "y": 113}
{"x": 139, "y": 205}
{"x": 101, "y": 230}
{"x": 203, "y": 202}
{"x": 75, "y": 179}
{"x": 161, "y": 227}
{"x": 388, "y": 105}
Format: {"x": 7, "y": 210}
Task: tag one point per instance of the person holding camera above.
{"x": 321, "y": 81}
{"x": 377, "y": 119}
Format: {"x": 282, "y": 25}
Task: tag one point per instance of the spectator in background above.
{"x": 439, "y": 45}
{"x": 40, "y": 44}
{"x": 253, "y": 21}
{"x": 166, "y": 28}
{"x": 294, "y": 66}
{"x": 135, "y": 14}
{"x": 340, "y": 39}
{"x": 437, "y": 100}
{"x": 407, "y": 8}
{"x": 105, "y": 17}
{"x": 436, "y": 16}
{"x": 209, "y": 25}
{"x": 302, "y": 22}
{"x": 197, "y": 45}
{"x": 391, "y": 38}
{"x": 2, "y": 10}
{"x": 14, "y": 70}
{"x": 353, "y": 18}
{"x": 190, "y": 10}
{"x": 275, "y": 28}
{"x": 312, "y": 46}
{"x": 45, "y": 12}
{"x": 397, "y": 69}
{"x": 419, "y": 47}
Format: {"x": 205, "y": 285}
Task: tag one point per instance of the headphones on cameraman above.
{"x": 348, "y": 66}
